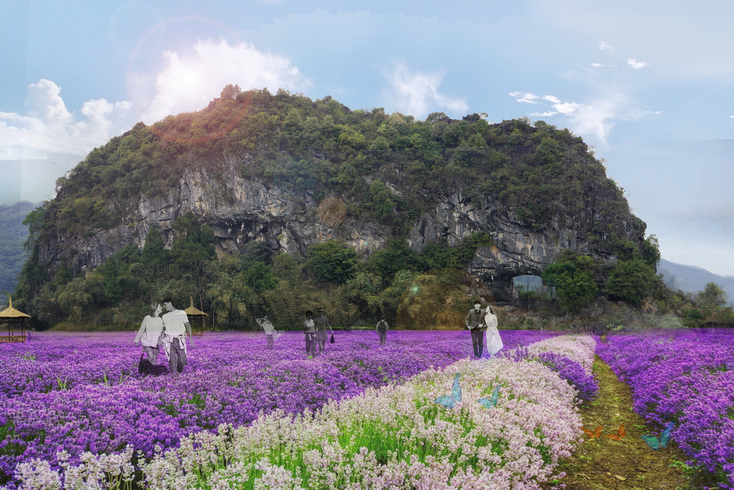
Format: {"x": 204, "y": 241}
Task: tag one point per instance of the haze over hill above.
{"x": 692, "y": 279}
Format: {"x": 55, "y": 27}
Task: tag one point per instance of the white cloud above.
{"x": 606, "y": 47}
{"x": 194, "y": 80}
{"x": 50, "y": 131}
{"x": 597, "y": 65}
{"x": 731, "y": 117}
{"x": 654, "y": 113}
{"x": 636, "y": 64}
{"x": 596, "y": 118}
{"x": 526, "y": 97}
{"x": 417, "y": 94}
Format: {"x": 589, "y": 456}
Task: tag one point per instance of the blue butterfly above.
{"x": 491, "y": 401}
{"x": 449, "y": 401}
{"x": 656, "y": 443}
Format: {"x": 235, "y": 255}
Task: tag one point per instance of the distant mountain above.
{"x": 692, "y": 279}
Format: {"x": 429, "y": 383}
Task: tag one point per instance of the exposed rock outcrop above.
{"x": 240, "y": 209}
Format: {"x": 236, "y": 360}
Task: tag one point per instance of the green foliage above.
{"x": 651, "y": 251}
{"x": 632, "y": 281}
{"x": 712, "y": 297}
{"x": 571, "y": 278}
{"x": 332, "y": 261}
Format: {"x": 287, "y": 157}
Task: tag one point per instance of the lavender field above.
{"x": 685, "y": 377}
{"x": 66, "y": 397}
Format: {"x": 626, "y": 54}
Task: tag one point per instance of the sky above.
{"x": 647, "y": 84}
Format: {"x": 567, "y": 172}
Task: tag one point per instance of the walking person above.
{"x": 475, "y": 323}
{"x": 381, "y": 328}
{"x": 175, "y": 325}
{"x": 322, "y": 324}
{"x": 309, "y": 328}
{"x": 149, "y": 334}
{"x": 269, "y": 330}
{"x": 492, "y": 340}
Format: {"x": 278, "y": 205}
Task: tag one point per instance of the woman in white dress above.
{"x": 492, "y": 339}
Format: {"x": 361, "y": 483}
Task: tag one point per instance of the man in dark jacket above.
{"x": 475, "y": 324}
{"x": 381, "y": 328}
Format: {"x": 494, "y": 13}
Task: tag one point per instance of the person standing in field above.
{"x": 381, "y": 328}
{"x": 309, "y": 328}
{"x": 175, "y": 325}
{"x": 475, "y": 323}
{"x": 322, "y": 324}
{"x": 269, "y": 330}
{"x": 492, "y": 339}
{"x": 149, "y": 334}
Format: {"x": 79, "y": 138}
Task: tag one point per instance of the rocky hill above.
{"x": 291, "y": 172}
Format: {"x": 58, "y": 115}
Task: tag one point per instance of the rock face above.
{"x": 520, "y": 249}
{"x": 240, "y": 210}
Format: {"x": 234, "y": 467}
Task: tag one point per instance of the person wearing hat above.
{"x": 309, "y": 328}
{"x": 475, "y": 323}
{"x": 322, "y": 324}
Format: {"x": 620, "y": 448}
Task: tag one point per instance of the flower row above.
{"x": 686, "y": 377}
{"x": 81, "y": 393}
{"x": 394, "y": 436}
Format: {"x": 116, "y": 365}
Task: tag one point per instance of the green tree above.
{"x": 155, "y": 257}
{"x": 192, "y": 251}
{"x": 632, "y": 281}
{"x": 571, "y": 279}
{"x": 332, "y": 261}
{"x": 712, "y": 297}
{"x": 651, "y": 251}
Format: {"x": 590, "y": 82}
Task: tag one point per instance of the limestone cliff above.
{"x": 241, "y": 209}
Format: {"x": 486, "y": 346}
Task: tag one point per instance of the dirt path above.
{"x": 605, "y": 464}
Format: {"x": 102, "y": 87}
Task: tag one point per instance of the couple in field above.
{"x": 483, "y": 327}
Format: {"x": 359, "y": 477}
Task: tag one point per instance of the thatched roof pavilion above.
{"x": 192, "y": 311}
{"x": 14, "y": 319}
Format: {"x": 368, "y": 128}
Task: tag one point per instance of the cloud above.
{"x": 526, "y": 97}
{"x": 417, "y": 94}
{"x": 654, "y": 113}
{"x": 636, "y": 64}
{"x": 606, "y": 47}
{"x": 193, "y": 80}
{"x": 596, "y": 118}
{"x": 49, "y": 130}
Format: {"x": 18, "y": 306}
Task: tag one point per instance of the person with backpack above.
{"x": 382, "y": 329}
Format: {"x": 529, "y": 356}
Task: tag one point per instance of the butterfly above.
{"x": 656, "y": 443}
{"x": 619, "y": 435}
{"x": 449, "y": 401}
{"x": 596, "y": 433}
{"x": 491, "y": 401}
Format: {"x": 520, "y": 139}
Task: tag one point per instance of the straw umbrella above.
{"x": 192, "y": 311}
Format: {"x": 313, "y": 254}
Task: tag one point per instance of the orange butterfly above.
{"x": 596, "y": 433}
{"x": 619, "y": 435}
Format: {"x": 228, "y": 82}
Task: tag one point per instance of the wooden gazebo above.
{"x": 193, "y": 312}
{"x": 14, "y": 320}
